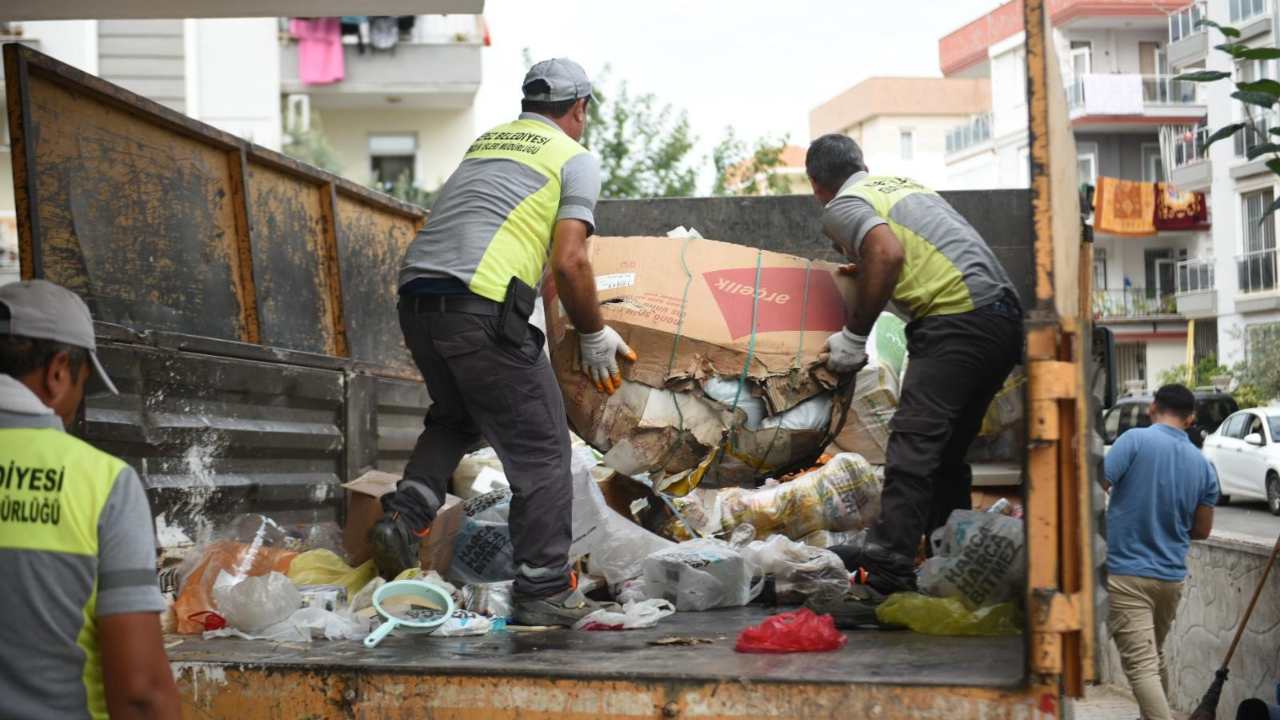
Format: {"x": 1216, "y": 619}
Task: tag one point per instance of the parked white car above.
{"x": 1245, "y": 451}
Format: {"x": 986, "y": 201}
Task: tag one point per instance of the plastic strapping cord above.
{"x": 751, "y": 347}
{"x": 675, "y": 342}
{"x": 795, "y": 365}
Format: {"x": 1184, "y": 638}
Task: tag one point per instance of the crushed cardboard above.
{"x": 364, "y": 507}
{"x": 695, "y": 309}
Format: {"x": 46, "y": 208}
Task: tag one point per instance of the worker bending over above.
{"x": 524, "y": 190}
{"x": 80, "y": 636}
{"x": 964, "y": 336}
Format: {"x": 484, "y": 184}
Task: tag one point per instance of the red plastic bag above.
{"x": 796, "y": 631}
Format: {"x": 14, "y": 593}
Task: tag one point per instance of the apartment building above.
{"x": 1117, "y": 72}
{"x": 403, "y": 109}
{"x": 903, "y": 123}
{"x": 1232, "y": 280}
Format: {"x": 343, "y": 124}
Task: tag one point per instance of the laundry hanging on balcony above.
{"x": 1124, "y": 207}
{"x": 320, "y": 59}
{"x": 1113, "y": 94}
{"x": 1180, "y": 211}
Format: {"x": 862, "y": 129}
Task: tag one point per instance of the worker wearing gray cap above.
{"x": 525, "y": 191}
{"x": 81, "y": 636}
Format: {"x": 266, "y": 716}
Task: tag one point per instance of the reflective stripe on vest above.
{"x": 53, "y": 488}
{"x": 521, "y": 245}
{"x": 930, "y": 283}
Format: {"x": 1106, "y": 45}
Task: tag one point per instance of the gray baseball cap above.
{"x": 41, "y": 310}
{"x": 556, "y": 80}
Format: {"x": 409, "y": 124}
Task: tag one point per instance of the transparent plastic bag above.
{"x": 253, "y": 603}
{"x": 700, "y": 575}
{"x": 949, "y": 616}
{"x": 979, "y": 557}
{"x": 798, "y": 570}
{"x": 253, "y": 545}
{"x": 492, "y": 599}
{"x": 796, "y": 631}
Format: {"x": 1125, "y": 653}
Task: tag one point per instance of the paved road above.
{"x": 1248, "y": 518}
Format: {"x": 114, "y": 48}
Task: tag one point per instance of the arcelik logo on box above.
{"x": 779, "y": 300}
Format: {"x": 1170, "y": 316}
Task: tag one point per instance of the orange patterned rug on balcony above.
{"x": 1124, "y": 207}
{"x": 1180, "y": 211}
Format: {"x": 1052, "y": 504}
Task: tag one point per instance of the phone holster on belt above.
{"x": 517, "y": 306}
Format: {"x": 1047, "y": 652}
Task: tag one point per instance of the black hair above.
{"x": 20, "y": 355}
{"x": 556, "y": 109}
{"x": 1176, "y": 400}
{"x": 832, "y": 159}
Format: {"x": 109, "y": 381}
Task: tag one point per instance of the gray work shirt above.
{"x": 479, "y": 197}
{"x": 42, "y": 662}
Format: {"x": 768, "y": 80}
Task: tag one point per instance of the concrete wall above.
{"x": 443, "y": 137}
{"x": 880, "y": 141}
{"x": 790, "y": 224}
{"x": 239, "y": 91}
{"x": 1223, "y": 575}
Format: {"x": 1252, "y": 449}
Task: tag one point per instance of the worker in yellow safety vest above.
{"x": 911, "y": 250}
{"x": 80, "y": 635}
{"x": 525, "y": 191}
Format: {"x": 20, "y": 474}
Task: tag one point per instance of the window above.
{"x": 1274, "y": 421}
{"x": 1087, "y": 168}
{"x": 1099, "y": 268}
{"x": 392, "y": 158}
{"x": 1210, "y": 413}
{"x": 1234, "y": 427}
{"x": 1258, "y": 236}
{"x": 906, "y": 144}
{"x": 1184, "y": 22}
{"x": 1152, "y": 165}
{"x": 1245, "y": 9}
{"x": 1254, "y": 426}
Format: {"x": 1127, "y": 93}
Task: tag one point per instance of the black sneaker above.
{"x": 564, "y": 608}
{"x": 882, "y": 569}
{"x": 395, "y": 545}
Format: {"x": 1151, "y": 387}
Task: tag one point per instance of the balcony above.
{"x": 975, "y": 132}
{"x": 436, "y": 67}
{"x": 1188, "y": 40}
{"x": 1250, "y": 17}
{"x": 1256, "y": 277}
{"x": 1158, "y": 97}
{"x": 1197, "y": 295}
{"x": 1191, "y": 169}
{"x": 1134, "y": 304}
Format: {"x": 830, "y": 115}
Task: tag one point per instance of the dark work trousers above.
{"x": 956, "y": 365}
{"x": 484, "y": 387}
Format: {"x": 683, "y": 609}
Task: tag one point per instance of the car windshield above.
{"x": 1274, "y": 422}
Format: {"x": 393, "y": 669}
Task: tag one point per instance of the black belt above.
{"x": 469, "y": 304}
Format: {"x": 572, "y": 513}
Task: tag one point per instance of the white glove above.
{"x": 847, "y": 352}
{"x": 599, "y": 358}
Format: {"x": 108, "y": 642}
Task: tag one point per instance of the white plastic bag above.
{"x": 464, "y": 623}
{"x": 621, "y": 557}
{"x": 798, "y": 570}
{"x": 255, "y": 602}
{"x": 634, "y": 616}
{"x": 700, "y": 575}
{"x": 302, "y": 626}
{"x": 491, "y": 599}
{"x": 979, "y": 557}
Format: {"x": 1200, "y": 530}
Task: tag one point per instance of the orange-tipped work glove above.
{"x": 600, "y": 352}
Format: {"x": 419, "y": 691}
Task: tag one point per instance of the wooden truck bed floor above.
{"x": 899, "y": 658}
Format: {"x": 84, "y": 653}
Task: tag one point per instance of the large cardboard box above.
{"x": 364, "y": 507}
{"x": 701, "y": 313}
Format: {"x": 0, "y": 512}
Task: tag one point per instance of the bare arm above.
{"x": 1202, "y": 527}
{"x": 575, "y": 281}
{"x": 135, "y": 669}
{"x": 879, "y": 265}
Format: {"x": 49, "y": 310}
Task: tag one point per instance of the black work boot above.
{"x": 395, "y": 544}
{"x": 564, "y": 608}
{"x": 852, "y": 609}
{"x": 874, "y": 565}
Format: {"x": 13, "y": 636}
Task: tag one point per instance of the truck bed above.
{"x": 889, "y": 657}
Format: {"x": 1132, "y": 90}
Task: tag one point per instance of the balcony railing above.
{"x": 1257, "y": 271}
{"x": 962, "y": 137}
{"x": 1189, "y": 145}
{"x": 1242, "y": 10}
{"x": 1186, "y": 22}
{"x": 1195, "y": 276}
{"x": 1156, "y": 90}
{"x": 1263, "y": 121}
{"x": 1133, "y": 303}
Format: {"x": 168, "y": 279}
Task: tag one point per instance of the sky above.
{"x": 757, "y": 66}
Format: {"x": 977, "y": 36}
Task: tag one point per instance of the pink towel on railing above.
{"x": 319, "y": 49}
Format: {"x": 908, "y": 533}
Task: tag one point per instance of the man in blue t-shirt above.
{"x": 1162, "y": 497}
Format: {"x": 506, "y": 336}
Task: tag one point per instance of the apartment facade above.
{"x": 404, "y": 110}
{"x": 1232, "y": 282}
{"x": 902, "y": 123}
{"x": 1117, "y": 73}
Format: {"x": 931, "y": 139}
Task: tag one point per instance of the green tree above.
{"x": 748, "y": 170}
{"x": 312, "y": 147}
{"x": 403, "y": 189}
{"x": 643, "y": 145}
{"x": 1207, "y": 368}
